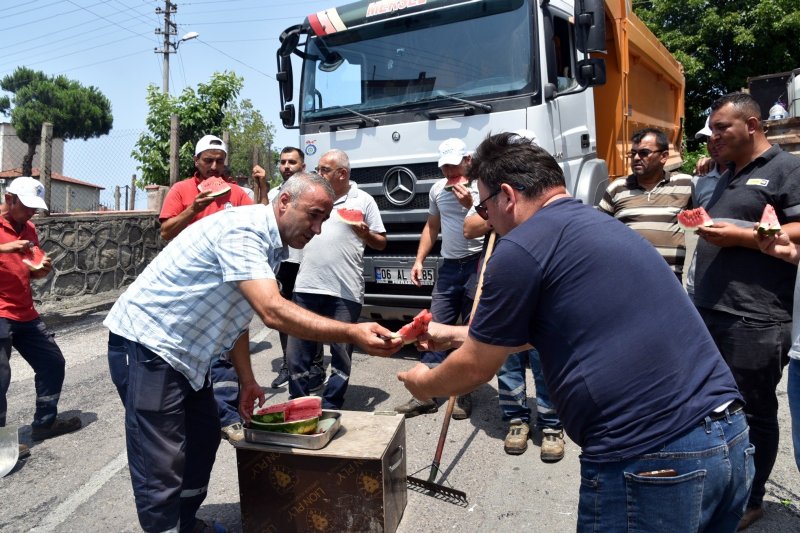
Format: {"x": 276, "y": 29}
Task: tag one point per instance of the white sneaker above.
{"x": 233, "y": 433}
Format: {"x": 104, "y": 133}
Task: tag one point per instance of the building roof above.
{"x": 17, "y": 172}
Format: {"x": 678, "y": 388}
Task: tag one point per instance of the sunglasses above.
{"x": 644, "y": 153}
{"x": 481, "y": 207}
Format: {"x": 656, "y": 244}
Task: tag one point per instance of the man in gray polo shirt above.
{"x": 458, "y": 275}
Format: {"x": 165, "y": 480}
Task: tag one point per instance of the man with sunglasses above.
{"x": 649, "y": 200}
{"x": 655, "y": 409}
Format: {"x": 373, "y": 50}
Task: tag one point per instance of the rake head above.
{"x": 438, "y": 491}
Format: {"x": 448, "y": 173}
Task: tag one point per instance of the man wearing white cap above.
{"x": 20, "y": 325}
{"x": 449, "y": 199}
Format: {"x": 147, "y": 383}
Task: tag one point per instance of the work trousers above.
{"x": 513, "y": 395}
{"x": 35, "y": 344}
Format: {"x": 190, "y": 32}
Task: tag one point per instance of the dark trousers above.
{"x": 118, "y": 364}
{"x": 286, "y": 276}
{"x": 35, "y": 344}
{"x": 226, "y": 391}
{"x": 172, "y": 433}
{"x": 756, "y": 352}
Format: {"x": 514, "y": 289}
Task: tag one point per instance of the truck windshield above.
{"x": 417, "y": 61}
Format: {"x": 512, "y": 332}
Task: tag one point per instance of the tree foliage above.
{"x": 250, "y": 138}
{"x": 76, "y": 112}
{"x": 723, "y": 42}
{"x": 200, "y": 112}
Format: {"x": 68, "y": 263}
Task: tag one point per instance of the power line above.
{"x": 240, "y": 62}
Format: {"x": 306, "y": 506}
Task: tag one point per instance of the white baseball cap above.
{"x": 209, "y": 142}
{"x": 705, "y": 132}
{"x": 452, "y": 151}
{"x": 29, "y": 191}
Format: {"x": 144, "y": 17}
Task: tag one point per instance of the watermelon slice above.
{"x": 769, "y": 224}
{"x": 455, "y": 180}
{"x": 216, "y": 185}
{"x": 350, "y": 216}
{"x": 297, "y": 427}
{"x": 414, "y": 329}
{"x": 298, "y": 409}
{"x": 690, "y": 219}
{"x": 34, "y": 257}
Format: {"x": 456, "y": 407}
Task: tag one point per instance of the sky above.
{"x": 110, "y": 44}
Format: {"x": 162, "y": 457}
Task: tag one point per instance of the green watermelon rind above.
{"x": 270, "y": 418}
{"x": 298, "y": 427}
{"x": 449, "y": 187}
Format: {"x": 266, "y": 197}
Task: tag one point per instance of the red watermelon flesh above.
{"x": 690, "y": 219}
{"x": 769, "y": 224}
{"x": 298, "y": 409}
{"x": 350, "y": 216}
{"x": 416, "y": 328}
{"x": 216, "y": 185}
{"x": 455, "y": 180}
{"x": 34, "y": 257}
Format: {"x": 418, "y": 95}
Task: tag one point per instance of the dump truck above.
{"x": 387, "y": 81}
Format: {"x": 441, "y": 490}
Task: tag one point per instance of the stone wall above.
{"x": 94, "y": 253}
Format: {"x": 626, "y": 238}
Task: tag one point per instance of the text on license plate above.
{"x": 402, "y": 276}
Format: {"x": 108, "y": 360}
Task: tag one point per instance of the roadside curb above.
{"x": 67, "y": 311}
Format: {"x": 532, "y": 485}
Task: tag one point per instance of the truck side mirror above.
{"x": 287, "y": 116}
{"x": 590, "y": 26}
{"x": 289, "y": 39}
{"x": 591, "y": 72}
{"x": 285, "y": 77}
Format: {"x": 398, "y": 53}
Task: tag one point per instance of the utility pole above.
{"x": 170, "y": 29}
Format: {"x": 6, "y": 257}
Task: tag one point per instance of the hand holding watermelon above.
{"x": 215, "y": 186}
{"x": 35, "y": 258}
{"x": 414, "y": 329}
{"x": 769, "y": 224}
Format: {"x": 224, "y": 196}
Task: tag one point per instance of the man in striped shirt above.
{"x": 649, "y": 199}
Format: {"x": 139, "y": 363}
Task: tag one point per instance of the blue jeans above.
{"x": 714, "y": 465}
{"x": 35, "y": 344}
{"x": 300, "y": 353}
{"x": 513, "y": 395}
{"x": 452, "y": 297}
{"x": 794, "y": 406}
{"x": 172, "y": 434}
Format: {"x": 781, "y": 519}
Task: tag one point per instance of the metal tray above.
{"x": 308, "y": 442}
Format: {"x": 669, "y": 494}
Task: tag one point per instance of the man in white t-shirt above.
{"x": 330, "y": 281}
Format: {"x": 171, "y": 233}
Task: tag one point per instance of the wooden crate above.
{"x": 356, "y": 483}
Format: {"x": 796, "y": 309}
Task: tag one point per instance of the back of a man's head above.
{"x": 301, "y": 182}
{"x": 744, "y": 105}
{"x": 516, "y": 160}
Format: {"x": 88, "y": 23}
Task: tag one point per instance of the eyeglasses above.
{"x": 324, "y": 170}
{"x": 481, "y": 207}
{"x": 644, "y": 153}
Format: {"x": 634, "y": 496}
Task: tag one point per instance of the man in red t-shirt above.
{"x": 20, "y": 325}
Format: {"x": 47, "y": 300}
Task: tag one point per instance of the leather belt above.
{"x": 733, "y": 408}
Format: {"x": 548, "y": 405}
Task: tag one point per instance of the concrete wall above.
{"x": 94, "y": 253}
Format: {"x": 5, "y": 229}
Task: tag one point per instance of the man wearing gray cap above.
{"x": 20, "y": 325}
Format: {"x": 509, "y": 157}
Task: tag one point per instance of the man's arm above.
{"x": 376, "y": 241}
{"x": 725, "y": 235}
{"x": 249, "y": 390}
{"x": 283, "y": 315}
{"x": 171, "y": 227}
{"x": 13, "y": 247}
{"x": 429, "y": 235}
{"x": 777, "y": 246}
{"x": 260, "y": 177}
{"x": 475, "y": 227}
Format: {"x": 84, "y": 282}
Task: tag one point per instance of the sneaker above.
{"x": 552, "y": 445}
{"x": 24, "y": 451}
{"x": 282, "y": 379}
{"x": 414, "y": 407}
{"x": 463, "y": 407}
{"x": 233, "y": 433}
{"x": 517, "y": 438}
{"x": 59, "y": 427}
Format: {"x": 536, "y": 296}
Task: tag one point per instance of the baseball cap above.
{"x": 452, "y": 151}
{"x": 705, "y": 132}
{"x": 29, "y": 191}
{"x": 210, "y": 142}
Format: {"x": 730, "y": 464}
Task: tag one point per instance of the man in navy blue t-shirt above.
{"x": 632, "y": 370}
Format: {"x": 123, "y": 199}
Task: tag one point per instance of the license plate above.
{"x": 402, "y": 276}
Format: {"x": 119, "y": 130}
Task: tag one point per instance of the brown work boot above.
{"x": 517, "y": 438}
{"x": 58, "y": 427}
{"x": 414, "y": 407}
{"x": 463, "y": 407}
{"x": 552, "y": 445}
{"x": 24, "y": 451}
{"x": 752, "y": 514}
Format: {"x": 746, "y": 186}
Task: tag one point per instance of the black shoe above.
{"x": 414, "y": 407}
{"x": 59, "y": 427}
{"x": 282, "y": 379}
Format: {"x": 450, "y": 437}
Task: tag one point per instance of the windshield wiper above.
{"x": 476, "y": 105}
{"x": 370, "y": 120}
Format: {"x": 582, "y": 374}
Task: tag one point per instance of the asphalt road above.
{"x": 80, "y": 482}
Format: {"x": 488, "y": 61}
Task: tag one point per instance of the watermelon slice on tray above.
{"x": 302, "y": 408}
{"x": 296, "y": 427}
{"x": 350, "y": 216}
{"x": 769, "y": 224}
{"x": 34, "y": 257}
{"x": 691, "y": 219}
{"x": 216, "y": 185}
{"x": 455, "y": 180}
{"x": 414, "y": 329}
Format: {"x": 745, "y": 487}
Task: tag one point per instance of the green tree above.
{"x": 76, "y": 112}
{"x": 723, "y": 42}
{"x": 200, "y": 112}
{"x": 250, "y": 137}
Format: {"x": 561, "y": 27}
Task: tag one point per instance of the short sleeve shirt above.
{"x": 183, "y": 193}
{"x": 16, "y": 297}
{"x": 743, "y": 281}
{"x": 446, "y": 206}
{"x": 186, "y": 306}
{"x": 627, "y": 360}
{"x": 333, "y": 261}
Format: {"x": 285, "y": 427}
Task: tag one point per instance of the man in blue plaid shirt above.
{"x": 194, "y": 302}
